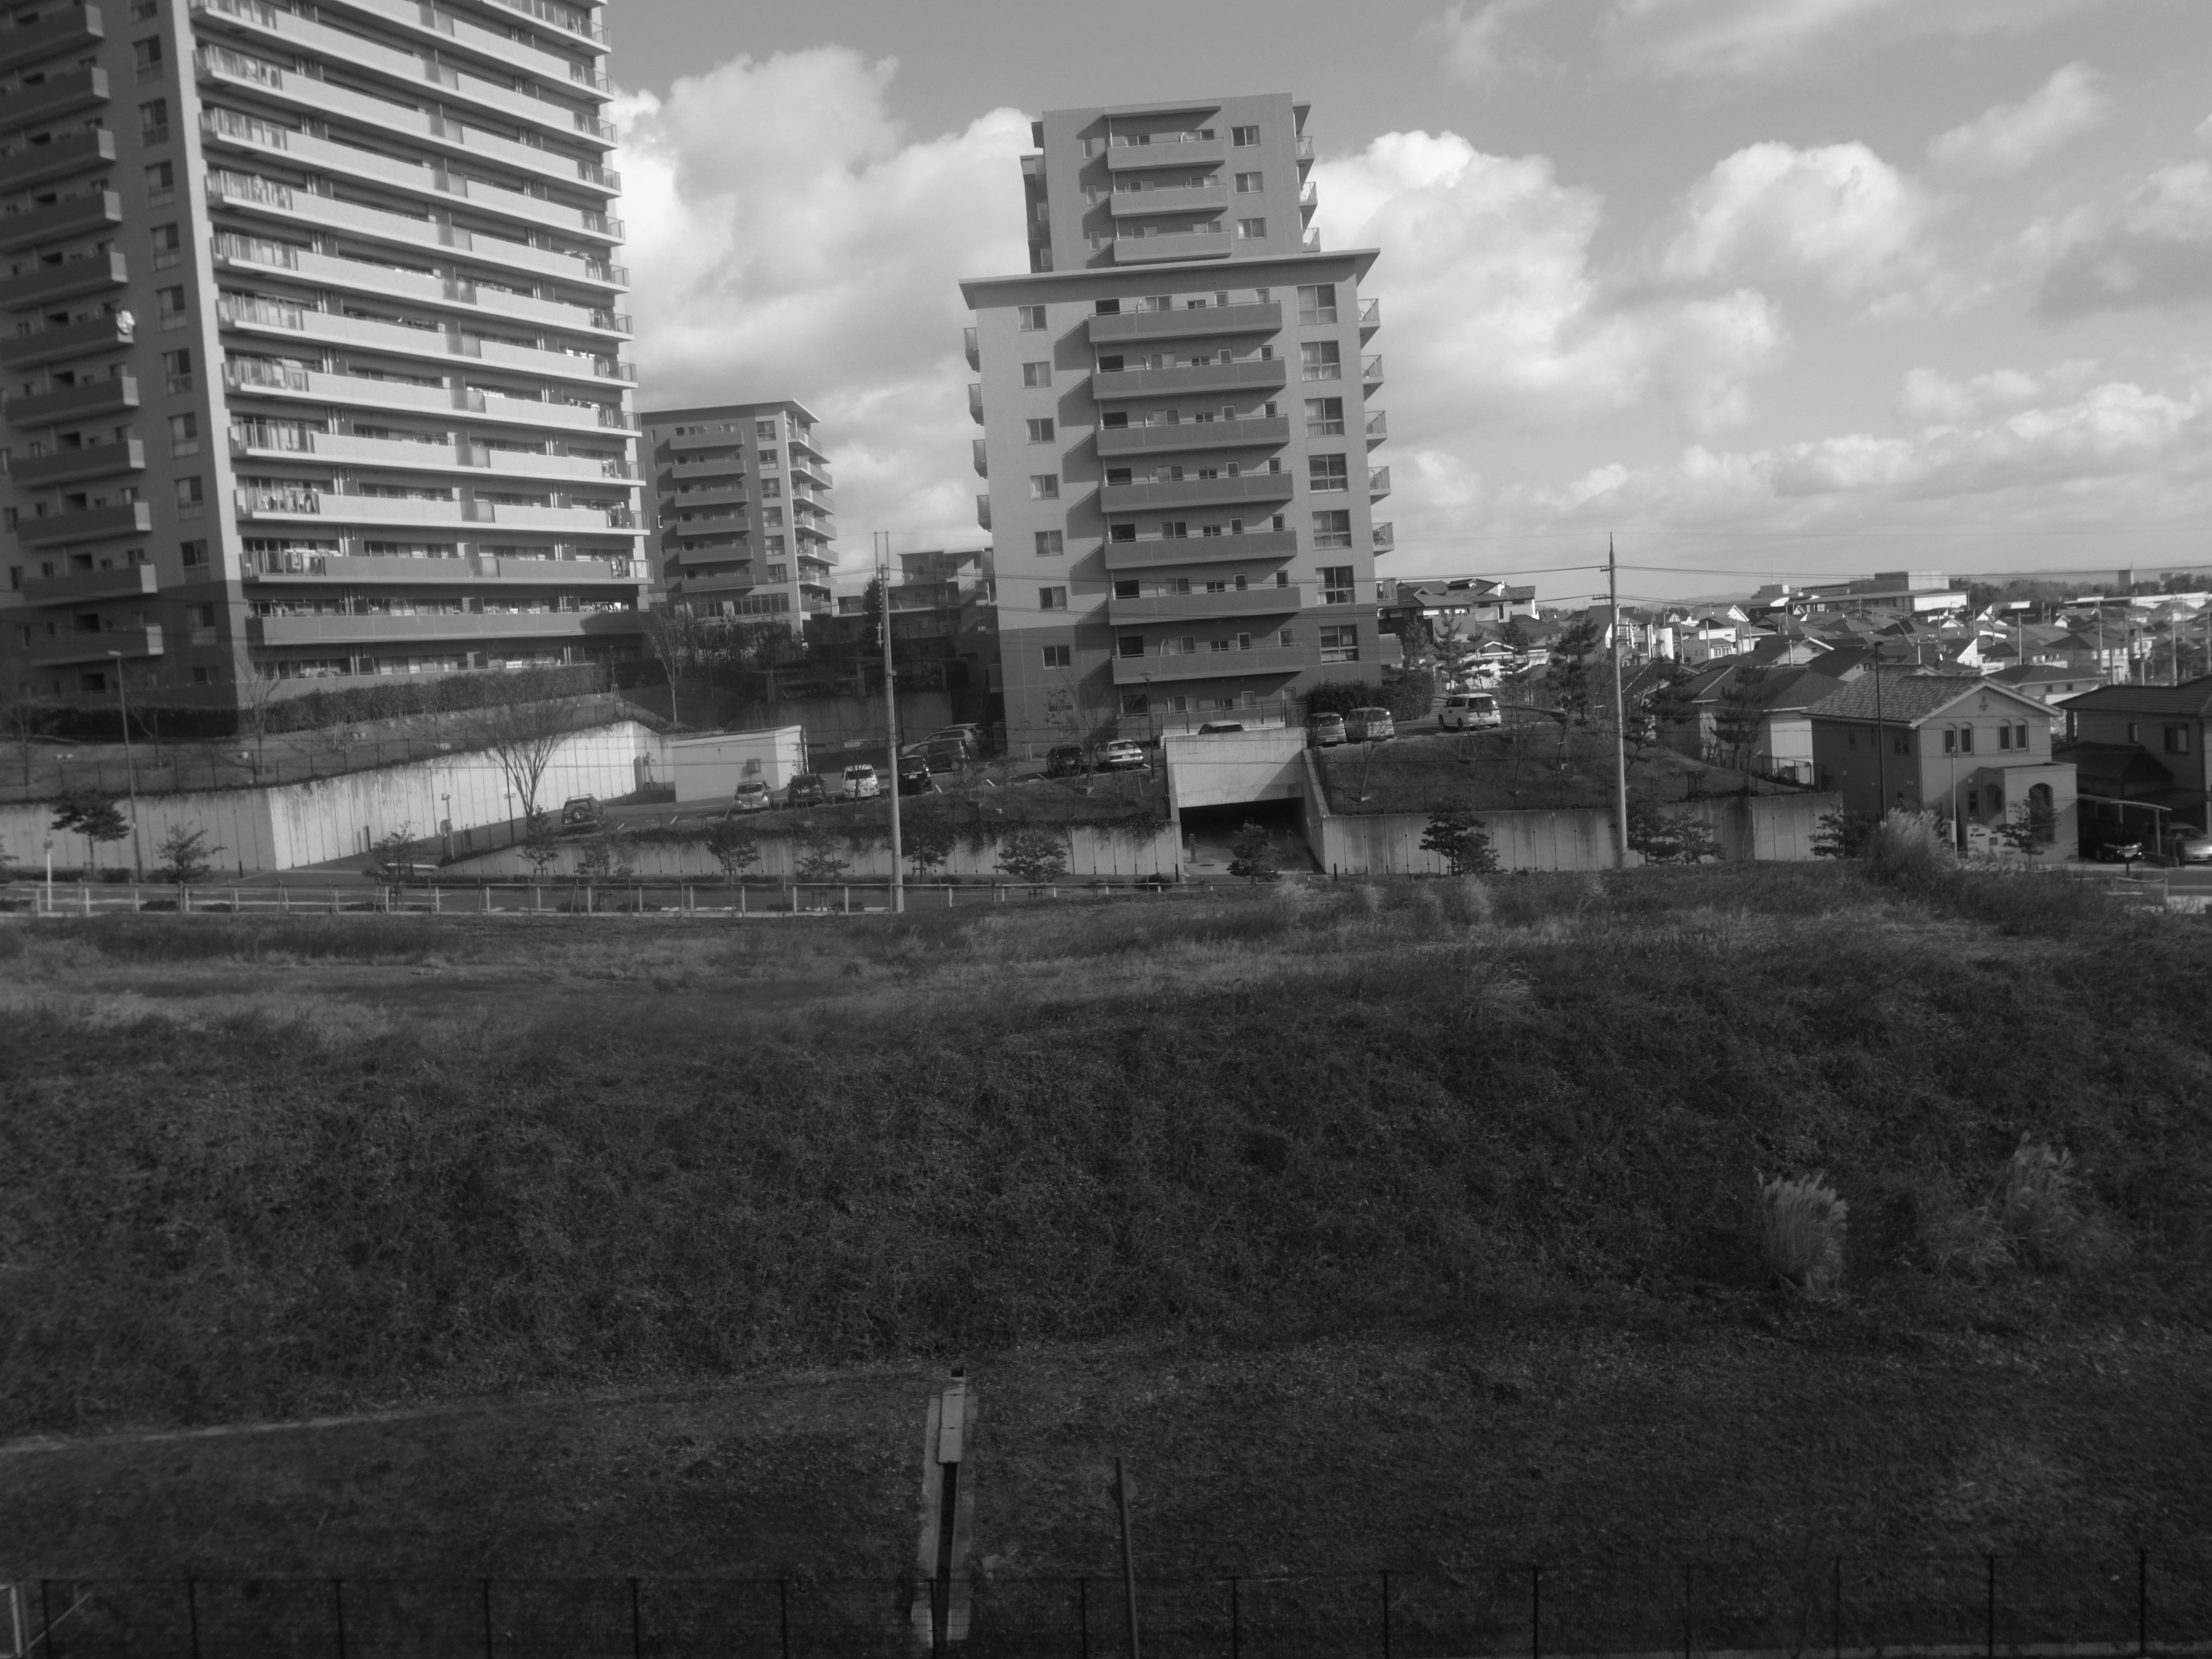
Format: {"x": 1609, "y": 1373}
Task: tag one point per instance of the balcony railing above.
{"x": 1160, "y": 668}
{"x": 1254, "y": 372}
{"x": 57, "y": 341}
{"x": 91, "y": 646}
{"x": 984, "y": 510}
{"x": 1263, "y": 599}
{"x": 1260, "y": 430}
{"x": 981, "y": 457}
{"x": 566, "y": 18}
{"x": 1130, "y": 327}
{"x": 1378, "y": 427}
{"x": 1156, "y": 552}
{"x": 73, "y": 466}
{"x": 974, "y": 356}
{"x": 87, "y": 523}
{"x": 1264, "y": 487}
{"x": 42, "y": 283}
{"x": 109, "y": 394}
{"x": 52, "y": 34}
{"x": 55, "y": 96}
{"x": 1378, "y": 482}
{"x": 1384, "y": 536}
{"x": 1370, "y": 370}
{"x": 73, "y": 216}
{"x": 1370, "y": 316}
{"x": 122, "y": 581}
{"x": 976, "y": 402}
{"x": 1171, "y": 245}
{"x": 1305, "y": 147}
{"x": 1312, "y": 242}
{"x": 69, "y": 152}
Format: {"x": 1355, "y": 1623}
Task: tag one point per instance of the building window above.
{"x": 1243, "y": 137}
{"x": 1332, "y": 529}
{"x": 770, "y": 459}
{"x": 1059, "y": 656}
{"x": 765, "y": 429}
{"x": 146, "y": 55}
{"x": 166, "y": 251}
{"x": 1052, "y": 599}
{"x": 1044, "y": 486}
{"x": 1129, "y": 645}
{"x": 1340, "y": 644}
{"x": 1965, "y": 739}
{"x": 1251, "y": 230}
{"x": 177, "y": 367}
{"x": 1032, "y": 317}
{"x": 1287, "y": 639}
{"x": 1250, "y": 184}
{"x": 2176, "y": 739}
{"x": 1318, "y": 360}
{"x": 1318, "y": 302}
{"x": 1336, "y": 584}
{"x": 2004, "y": 737}
{"x": 161, "y": 183}
{"x": 154, "y": 122}
{"x": 1324, "y": 417}
{"x": 1244, "y": 642}
{"x": 1326, "y": 472}
{"x": 1051, "y": 543}
{"x": 2135, "y": 733}
{"x": 195, "y": 555}
{"x": 1036, "y": 375}
{"x": 190, "y": 503}
{"x": 1041, "y": 431}
{"x": 170, "y": 302}
{"x": 184, "y": 435}
{"x": 1122, "y": 532}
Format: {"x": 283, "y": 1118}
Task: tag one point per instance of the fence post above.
{"x": 283, "y": 899}
{"x": 192, "y": 1615}
{"x": 1990, "y": 1610}
{"x": 783, "y": 1614}
{"x": 487, "y": 1618}
{"x": 1386, "y": 1613}
{"x": 437, "y": 909}
{"x": 636, "y": 1630}
{"x": 848, "y": 901}
{"x": 1082, "y": 1618}
{"x": 1836, "y": 1610}
{"x": 1689, "y": 1617}
{"x": 2143, "y": 1601}
{"x": 1535, "y": 1612}
{"x": 46, "y": 1614}
{"x": 338, "y": 1613}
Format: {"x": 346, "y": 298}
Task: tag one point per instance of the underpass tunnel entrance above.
{"x": 1207, "y": 832}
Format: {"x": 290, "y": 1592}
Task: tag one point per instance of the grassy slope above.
{"x": 1437, "y": 1209}
{"x": 1515, "y": 768}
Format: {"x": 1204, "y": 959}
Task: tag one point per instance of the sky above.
{"x": 1759, "y": 290}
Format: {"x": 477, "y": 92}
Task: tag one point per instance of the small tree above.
{"x": 1457, "y": 836}
{"x": 927, "y": 842}
{"x": 257, "y": 710}
{"x": 186, "y": 856}
{"x": 1572, "y": 672}
{"x": 1034, "y": 856}
{"x": 541, "y": 847}
{"x": 605, "y": 858}
{"x": 524, "y": 721}
{"x": 1252, "y": 853}
{"x": 21, "y": 719}
{"x": 1670, "y": 837}
{"x": 1841, "y": 834}
{"x": 1514, "y": 671}
{"x": 2026, "y": 830}
{"x": 818, "y": 856}
{"x": 96, "y": 817}
{"x": 1736, "y": 723}
{"x": 734, "y": 847}
{"x": 388, "y": 852}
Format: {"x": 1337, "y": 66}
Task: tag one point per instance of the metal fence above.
{"x": 1847, "y": 1607}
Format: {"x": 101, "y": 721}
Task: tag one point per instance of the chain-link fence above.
{"x": 2135, "y": 1602}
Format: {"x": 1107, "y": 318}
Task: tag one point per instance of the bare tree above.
{"x": 523, "y": 721}
{"x": 672, "y": 634}
{"x": 21, "y": 718}
{"x": 258, "y": 696}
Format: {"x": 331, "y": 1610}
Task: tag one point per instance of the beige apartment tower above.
{"x": 313, "y": 346}
{"x": 742, "y": 525}
{"x": 1176, "y": 428}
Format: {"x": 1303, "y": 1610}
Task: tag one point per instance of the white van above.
{"x": 1470, "y": 711}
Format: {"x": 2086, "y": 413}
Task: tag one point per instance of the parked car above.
{"x": 1370, "y": 726}
{"x": 2109, "y": 844}
{"x": 1220, "y": 726}
{"x": 2188, "y": 846}
{"x": 1325, "y": 730}
{"x": 968, "y": 731}
{"x": 806, "y": 790}
{"x": 752, "y": 796}
{"x": 1064, "y": 760}
{"x": 946, "y": 754}
{"x": 401, "y": 871}
{"x": 861, "y": 782}
{"x": 913, "y": 777}
{"x": 1121, "y": 755}
{"x": 1470, "y": 711}
{"x": 580, "y": 815}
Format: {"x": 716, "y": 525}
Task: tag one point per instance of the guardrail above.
{"x": 612, "y": 896}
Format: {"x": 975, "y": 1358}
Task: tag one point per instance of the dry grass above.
{"x": 1803, "y": 1224}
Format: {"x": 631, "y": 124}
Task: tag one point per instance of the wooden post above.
{"x": 1123, "y": 1493}
{"x": 338, "y": 1613}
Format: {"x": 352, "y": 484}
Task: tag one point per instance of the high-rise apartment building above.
{"x": 742, "y": 525}
{"x": 310, "y": 344}
{"x": 1176, "y": 429}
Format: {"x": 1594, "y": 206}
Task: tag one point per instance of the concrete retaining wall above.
{"x": 1225, "y": 767}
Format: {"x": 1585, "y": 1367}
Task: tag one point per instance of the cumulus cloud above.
{"x": 1720, "y": 37}
{"x": 1472, "y": 38}
{"x": 1929, "y": 396}
{"x": 2155, "y": 249}
{"x": 1838, "y": 216}
{"x": 2011, "y": 137}
{"x": 789, "y": 239}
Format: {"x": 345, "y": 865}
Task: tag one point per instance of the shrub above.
{"x": 1409, "y": 694}
{"x": 606, "y": 857}
{"x": 818, "y": 856}
{"x": 1800, "y": 1230}
{"x": 186, "y": 856}
{"x": 1252, "y": 853}
{"x": 2038, "y": 1205}
{"x": 1342, "y": 697}
{"x": 927, "y": 840}
{"x": 1908, "y": 847}
{"x": 1457, "y": 836}
{"x": 1034, "y": 856}
{"x": 734, "y": 847}
{"x": 95, "y": 816}
{"x": 1841, "y": 834}
{"x": 1678, "y": 838}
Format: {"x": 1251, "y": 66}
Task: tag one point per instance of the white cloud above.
{"x": 1929, "y": 396}
{"x": 787, "y": 240}
{"x": 1760, "y": 37}
{"x": 1839, "y": 216}
{"x": 2155, "y": 249}
{"x": 2011, "y": 137}
{"x": 1473, "y": 38}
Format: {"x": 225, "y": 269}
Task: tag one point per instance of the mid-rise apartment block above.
{"x": 312, "y": 345}
{"x": 1177, "y": 427}
{"x": 743, "y": 521}
{"x": 944, "y": 622}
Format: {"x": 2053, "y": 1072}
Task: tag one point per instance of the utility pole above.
{"x": 130, "y": 768}
{"x": 1125, "y": 1490}
{"x": 1880, "y": 759}
{"x": 1620, "y": 722}
{"x": 891, "y": 709}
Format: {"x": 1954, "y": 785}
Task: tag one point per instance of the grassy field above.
{"x": 1521, "y": 767}
{"x": 1386, "y": 1223}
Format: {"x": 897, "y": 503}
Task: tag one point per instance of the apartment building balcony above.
{"x": 703, "y": 587}
{"x": 984, "y": 510}
{"x": 1137, "y": 250}
{"x": 821, "y": 535}
{"x": 52, "y": 344}
{"x": 1159, "y": 670}
{"x": 86, "y": 524}
{"x": 1263, "y": 431}
{"x": 1250, "y": 487}
{"x": 60, "y": 156}
{"x": 805, "y": 470}
{"x": 1125, "y": 202}
{"x": 234, "y": 252}
{"x": 976, "y": 403}
{"x": 306, "y": 209}
{"x": 1268, "y": 374}
{"x": 694, "y": 446}
{"x": 980, "y": 456}
{"x": 225, "y": 130}
{"x": 49, "y": 36}
{"x": 379, "y": 627}
{"x": 1370, "y": 372}
{"x": 86, "y": 645}
{"x": 332, "y": 569}
{"x": 702, "y": 524}
{"x": 1383, "y": 537}
{"x": 444, "y": 33}
{"x": 1378, "y": 482}
{"x": 1370, "y": 319}
{"x": 1378, "y": 427}
{"x": 292, "y": 503}
{"x": 1268, "y": 601}
{"x": 974, "y": 351}
{"x": 63, "y": 466}
{"x": 66, "y": 279}
{"x": 122, "y": 581}
{"x": 734, "y": 496}
{"x": 580, "y": 25}
{"x": 289, "y": 382}
{"x": 1135, "y": 327}
{"x": 438, "y": 130}
{"x": 263, "y": 316}
{"x": 265, "y": 28}
{"x": 51, "y": 99}
{"x": 1183, "y": 153}
{"x": 1309, "y": 202}
{"x": 1170, "y": 552}
{"x": 443, "y": 455}
{"x": 94, "y": 211}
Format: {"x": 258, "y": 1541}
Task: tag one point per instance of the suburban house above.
{"x": 1961, "y": 745}
{"x": 2166, "y": 725}
{"x": 2050, "y": 683}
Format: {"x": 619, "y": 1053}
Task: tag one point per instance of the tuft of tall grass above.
{"x": 1909, "y": 847}
{"x": 1802, "y": 1226}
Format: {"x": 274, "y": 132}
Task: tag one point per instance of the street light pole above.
{"x": 130, "y": 769}
{"x": 891, "y": 709}
{"x": 1619, "y": 725}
